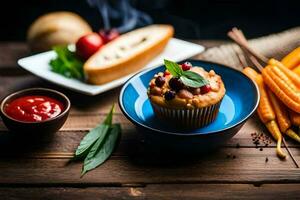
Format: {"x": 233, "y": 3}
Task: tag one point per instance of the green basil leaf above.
{"x": 99, "y": 143}
{"x": 173, "y": 68}
{"x": 108, "y": 120}
{"x": 97, "y": 133}
{"x": 95, "y": 147}
{"x": 192, "y": 79}
{"x": 90, "y": 139}
{"x": 66, "y": 63}
{"x": 105, "y": 150}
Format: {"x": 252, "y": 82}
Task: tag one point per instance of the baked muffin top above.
{"x": 171, "y": 91}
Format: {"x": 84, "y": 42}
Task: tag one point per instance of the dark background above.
{"x": 209, "y": 19}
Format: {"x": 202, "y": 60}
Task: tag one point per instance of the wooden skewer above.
{"x": 244, "y": 63}
{"x": 256, "y": 63}
{"x": 238, "y": 36}
{"x": 290, "y": 153}
{"x": 252, "y": 58}
{"x": 241, "y": 35}
{"x": 242, "y": 59}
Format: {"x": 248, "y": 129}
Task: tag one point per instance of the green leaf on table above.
{"x": 173, "y": 68}
{"x": 98, "y": 144}
{"x": 108, "y": 119}
{"x": 66, "y": 63}
{"x": 89, "y": 139}
{"x": 192, "y": 79}
{"x": 95, "y": 147}
{"x": 95, "y": 134}
{"x": 105, "y": 150}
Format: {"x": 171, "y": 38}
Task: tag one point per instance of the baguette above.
{"x": 127, "y": 54}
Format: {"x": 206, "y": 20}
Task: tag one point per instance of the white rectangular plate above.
{"x": 176, "y": 50}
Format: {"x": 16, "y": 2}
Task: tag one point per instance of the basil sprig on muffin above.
{"x": 188, "y": 78}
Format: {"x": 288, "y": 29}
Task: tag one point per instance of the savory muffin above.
{"x": 186, "y": 95}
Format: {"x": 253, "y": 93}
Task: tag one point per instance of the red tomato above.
{"x": 88, "y": 44}
{"x": 109, "y": 35}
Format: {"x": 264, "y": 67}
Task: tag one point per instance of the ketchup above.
{"x": 33, "y": 108}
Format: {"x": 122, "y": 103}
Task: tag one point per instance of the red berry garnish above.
{"x": 166, "y": 73}
{"x": 186, "y": 66}
{"x": 205, "y": 89}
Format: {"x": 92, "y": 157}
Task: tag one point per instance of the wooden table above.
{"x": 40, "y": 169}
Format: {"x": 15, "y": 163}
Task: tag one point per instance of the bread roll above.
{"x": 127, "y": 54}
{"x": 56, "y": 28}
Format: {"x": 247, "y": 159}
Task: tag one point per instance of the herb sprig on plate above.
{"x": 188, "y": 78}
{"x": 97, "y": 145}
{"x": 67, "y": 63}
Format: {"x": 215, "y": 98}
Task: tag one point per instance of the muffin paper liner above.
{"x": 188, "y": 118}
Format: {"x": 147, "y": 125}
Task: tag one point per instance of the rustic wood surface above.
{"x": 41, "y": 169}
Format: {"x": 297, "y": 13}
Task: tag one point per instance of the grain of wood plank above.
{"x": 248, "y": 166}
{"x": 67, "y": 141}
{"x": 9, "y": 84}
{"x": 62, "y": 145}
{"x": 159, "y": 191}
{"x": 68, "y": 138}
{"x": 11, "y": 52}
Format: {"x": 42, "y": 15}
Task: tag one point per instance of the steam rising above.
{"x": 122, "y": 11}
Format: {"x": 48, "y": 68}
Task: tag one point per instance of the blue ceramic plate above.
{"x": 240, "y": 101}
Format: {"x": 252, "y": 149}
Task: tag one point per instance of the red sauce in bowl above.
{"x": 33, "y": 108}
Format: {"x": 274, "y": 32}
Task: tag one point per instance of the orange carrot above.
{"x": 264, "y": 108}
{"x": 282, "y": 117}
{"x": 295, "y": 118}
{"x": 292, "y": 135}
{"x": 274, "y": 130}
{"x": 281, "y": 113}
{"x": 284, "y": 78}
{"x": 292, "y": 76}
{"x": 282, "y": 90}
{"x": 286, "y": 86}
{"x": 297, "y": 70}
{"x": 292, "y": 59}
{"x": 251, "y": 73}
